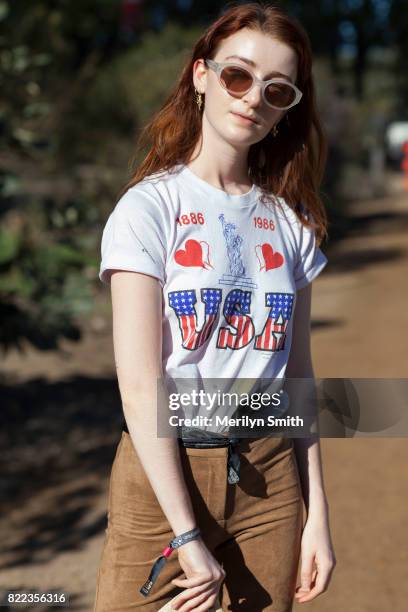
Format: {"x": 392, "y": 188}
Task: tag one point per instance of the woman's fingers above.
{"x": 192, "y": 597}
{"x": 191, "y": 603}
{"x": 306, "y": 573}
{"x": 207, "y": 605}
{"x": 199, "y": 579}
{"x": 319, "y": 584}
{"x": 188, "y": 594}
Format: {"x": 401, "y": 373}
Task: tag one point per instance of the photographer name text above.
{"x": 244, "y": 421}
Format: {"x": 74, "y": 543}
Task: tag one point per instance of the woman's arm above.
{"x": 137, "y": 339}
{"x": 300, "y": 366}
{"x": 318, "y": 560}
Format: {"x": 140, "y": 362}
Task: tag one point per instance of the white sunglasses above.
{"x": 237, "y": 80}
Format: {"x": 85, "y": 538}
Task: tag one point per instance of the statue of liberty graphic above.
{"x": 234, "y": 243}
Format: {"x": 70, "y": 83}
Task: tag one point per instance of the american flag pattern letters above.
{"x": 183, "y": 304}
{"x": 273, "y": 335}
{"x": 236, "y": 311}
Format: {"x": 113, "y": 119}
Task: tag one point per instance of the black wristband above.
{"x": 185, "y": 537}
{"x": 176, "y": 542}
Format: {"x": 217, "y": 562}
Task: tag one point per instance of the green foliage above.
{"x": 9, "y": 247}
{"x": 44, "y": 284}
{"x": 127, "y": 91}
{"x": 154, "y": 67}
{"x": 46, "y": 261}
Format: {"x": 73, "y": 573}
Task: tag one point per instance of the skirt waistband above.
{"x": 201, "y": 439}
{"x": 211, "y": 441}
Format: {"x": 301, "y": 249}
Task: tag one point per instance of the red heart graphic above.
{"x": 272, "y": 260}
{"x": 192, "y": 256}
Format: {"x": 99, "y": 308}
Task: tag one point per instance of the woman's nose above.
{"x": 254, "y": 95}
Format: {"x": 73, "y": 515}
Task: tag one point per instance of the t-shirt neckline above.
{"x": 241, "y": 200}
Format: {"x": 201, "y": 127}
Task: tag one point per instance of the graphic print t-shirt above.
{"x": 229, "y": 267}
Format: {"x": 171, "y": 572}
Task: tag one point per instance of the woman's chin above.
{"x": 239, "y": 138}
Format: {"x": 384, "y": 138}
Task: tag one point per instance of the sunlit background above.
{"x": 78, "y": 80}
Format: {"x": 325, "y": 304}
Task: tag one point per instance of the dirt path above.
{"x": 361, "y": 329}
{"x": 360, "y": 325}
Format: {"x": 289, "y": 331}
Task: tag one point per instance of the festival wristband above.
{"x": 176, "y": 542}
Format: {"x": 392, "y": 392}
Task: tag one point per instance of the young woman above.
{"x": 210, "y": 254}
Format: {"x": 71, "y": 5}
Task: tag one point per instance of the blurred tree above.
{"x": 45, "y": 262}
{"x": 399, "y": 36}
{"x": 352, "y": 26}
{"x": 331, "y": 24}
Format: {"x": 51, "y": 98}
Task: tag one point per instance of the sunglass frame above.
{"x": 218, "y": 67}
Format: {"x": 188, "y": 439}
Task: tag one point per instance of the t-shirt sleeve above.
{"x": 311, "y": 259}
{"x": 134, "y": 237}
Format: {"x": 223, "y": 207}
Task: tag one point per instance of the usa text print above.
{"x": 237, "y": 307}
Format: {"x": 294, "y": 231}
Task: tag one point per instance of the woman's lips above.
{"x": 244, "y": 119}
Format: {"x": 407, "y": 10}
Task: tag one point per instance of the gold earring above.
{"x": 199, "y": 99}
{"x": 275, "y": 131}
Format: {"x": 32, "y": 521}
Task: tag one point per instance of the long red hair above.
{"x": 289, "y": 165}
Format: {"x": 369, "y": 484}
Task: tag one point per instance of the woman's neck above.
{"x": 221, "y": 164}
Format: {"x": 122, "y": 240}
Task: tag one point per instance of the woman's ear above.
{"x": 200, "y": 75}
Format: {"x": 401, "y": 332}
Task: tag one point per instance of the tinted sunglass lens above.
{"x": 280, "y": 95}
{"x": 236, "y": 80}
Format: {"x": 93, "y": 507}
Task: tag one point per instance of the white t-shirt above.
{"x": 229, "y": 267}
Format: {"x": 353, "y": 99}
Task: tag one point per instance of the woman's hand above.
{"x": 204, "y": 578}
{"x": 317, "y": 559}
